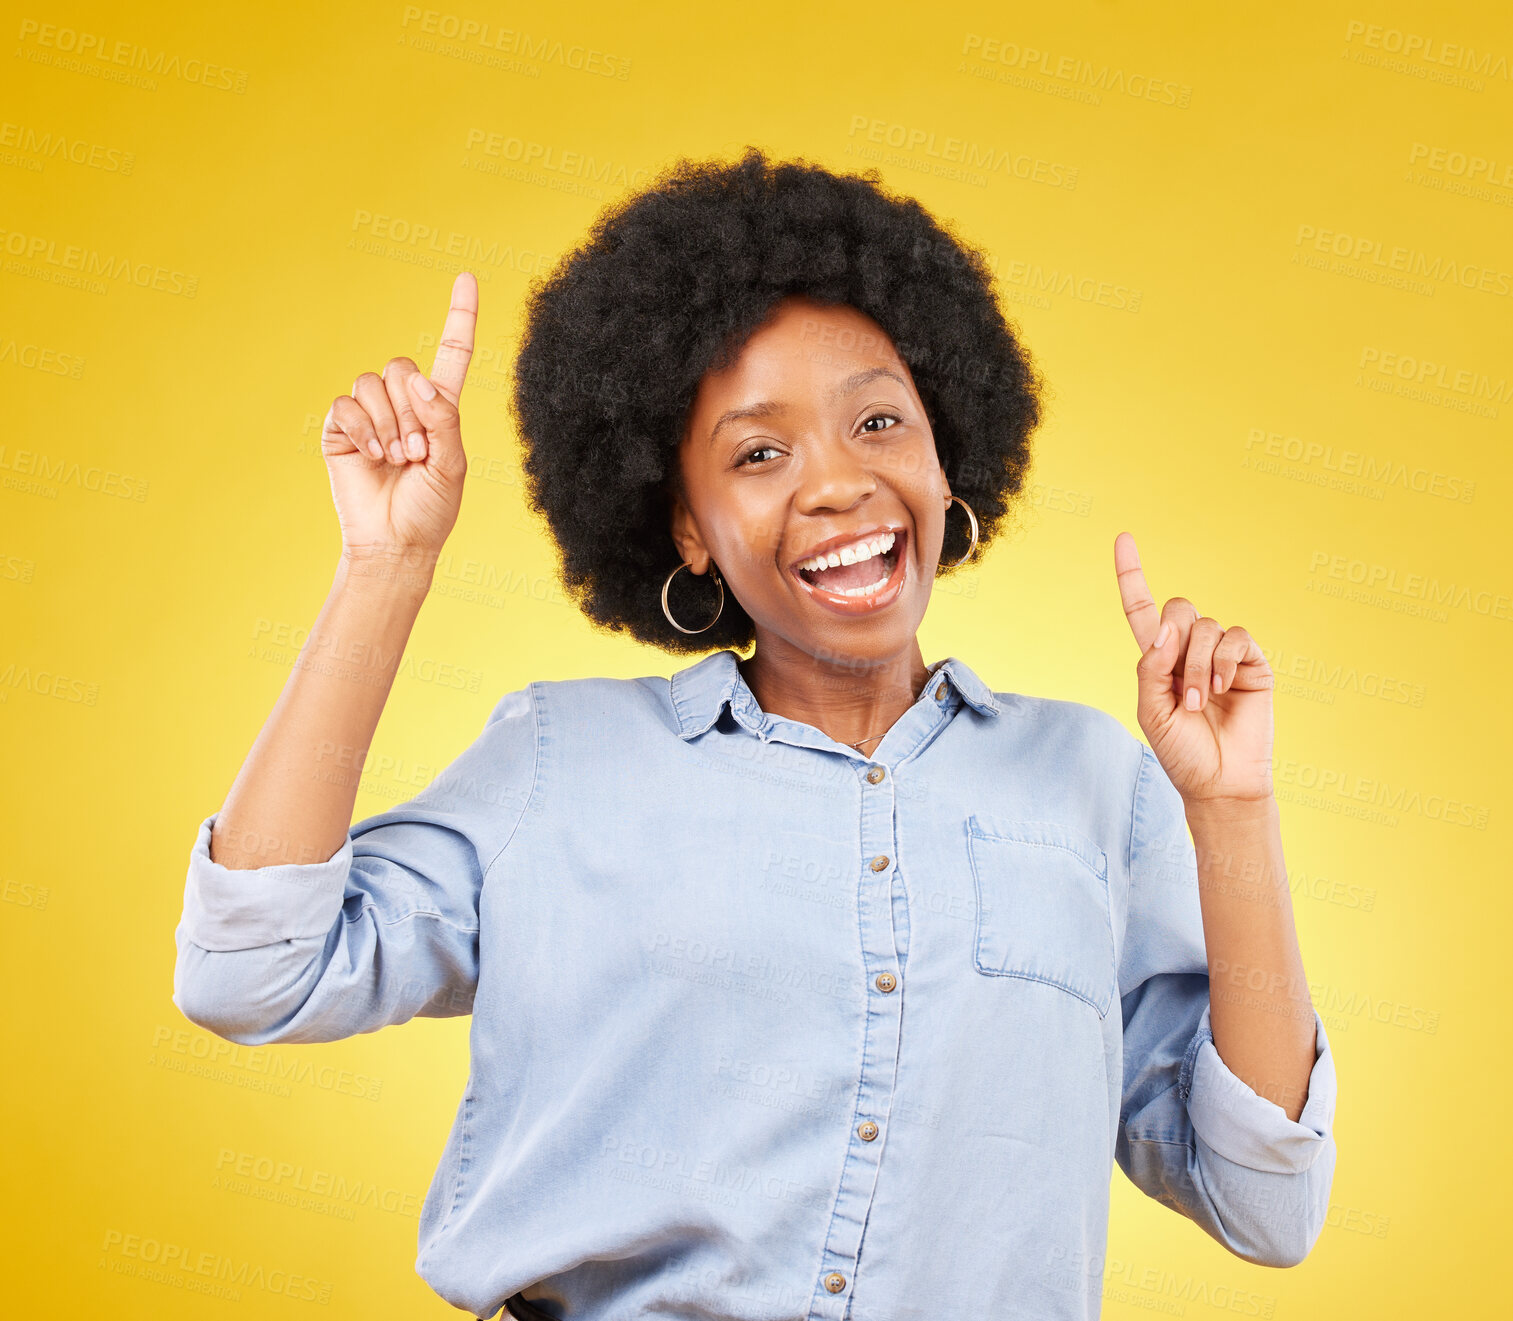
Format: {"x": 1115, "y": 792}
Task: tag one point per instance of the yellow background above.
{"x": 1255, "y": 420}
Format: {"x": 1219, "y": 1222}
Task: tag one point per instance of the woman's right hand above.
{"x": 400, "y": 500}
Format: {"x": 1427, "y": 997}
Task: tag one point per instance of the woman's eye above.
{"x": 746, "y": 458}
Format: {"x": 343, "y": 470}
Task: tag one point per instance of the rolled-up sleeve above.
{"x": 1192, "y": 1134}
{"x": 383, "y": 931}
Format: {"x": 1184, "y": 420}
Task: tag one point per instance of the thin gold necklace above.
{"x": 858, "y": 744}
{"x": 930, "y": 674}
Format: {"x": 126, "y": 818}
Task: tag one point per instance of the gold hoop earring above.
{"x": 713, "y": 573}
{"x": 972, "y": 549}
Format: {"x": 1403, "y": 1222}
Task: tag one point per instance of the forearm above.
{"x": 1261, "y": 1013}
{"x": 292, "y": 800}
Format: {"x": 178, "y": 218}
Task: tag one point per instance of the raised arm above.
{"x": 298, "y": 926}
{"x": 396, "y": 466}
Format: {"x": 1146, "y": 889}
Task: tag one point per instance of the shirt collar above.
{"x": 701, "y": 690}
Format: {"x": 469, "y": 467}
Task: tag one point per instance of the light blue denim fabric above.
{"x": 765, "y": 1028}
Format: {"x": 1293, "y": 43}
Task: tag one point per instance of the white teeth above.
{"x": 865, "y": 591}
{"x": 853, "y": 554}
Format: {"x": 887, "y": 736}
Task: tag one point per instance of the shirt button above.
{"x": 940, "y": 693}
{"x": 835, "y": 1282}
{"x": 880, "y": 862}
{"x": 875, "y": 774}
{"x": 885, "y": 982}
{"x": 867, "y": 1131}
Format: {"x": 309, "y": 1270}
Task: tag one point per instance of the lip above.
{"x": 859, "y": 605}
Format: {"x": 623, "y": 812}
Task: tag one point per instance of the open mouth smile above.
{"x": 859, "y": 577}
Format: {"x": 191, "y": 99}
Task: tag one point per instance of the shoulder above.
{"x": 1076, "y": 745}
{"x": 597, "y": 703}
{"x": 1057, "y": 724}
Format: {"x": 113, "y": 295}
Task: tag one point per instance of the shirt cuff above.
{"x": 241, "y": 909}
{"x": 1245, "y": 1127}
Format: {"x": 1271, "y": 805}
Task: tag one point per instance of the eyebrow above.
{"x": 767, "y": 407}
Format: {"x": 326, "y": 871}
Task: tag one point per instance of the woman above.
{"x": 821, "y": 982}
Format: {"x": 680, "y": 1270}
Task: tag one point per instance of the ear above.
{"x": 686, "y": 537}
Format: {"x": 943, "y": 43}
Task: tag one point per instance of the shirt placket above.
{"x": 876, "y": 868}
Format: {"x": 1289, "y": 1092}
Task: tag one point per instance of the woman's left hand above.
{"x": 1218, "y": 751}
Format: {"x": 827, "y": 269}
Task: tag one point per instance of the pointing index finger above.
{"x": 450, "y": 368}
{"x": 1139, "y": 607}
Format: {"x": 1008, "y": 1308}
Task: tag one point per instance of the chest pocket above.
{"x": 1042, "y": 907}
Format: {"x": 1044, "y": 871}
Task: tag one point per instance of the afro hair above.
{"x": 668, "y": 286}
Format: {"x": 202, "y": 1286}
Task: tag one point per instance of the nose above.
{"x": 833, "y": 478}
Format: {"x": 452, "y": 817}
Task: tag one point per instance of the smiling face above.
{"x": 814, "y": 443}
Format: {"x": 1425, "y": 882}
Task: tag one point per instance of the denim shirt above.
{"x": 765, "y": 1028}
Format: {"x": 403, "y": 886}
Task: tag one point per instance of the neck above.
{"x": 853, "y": 699}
